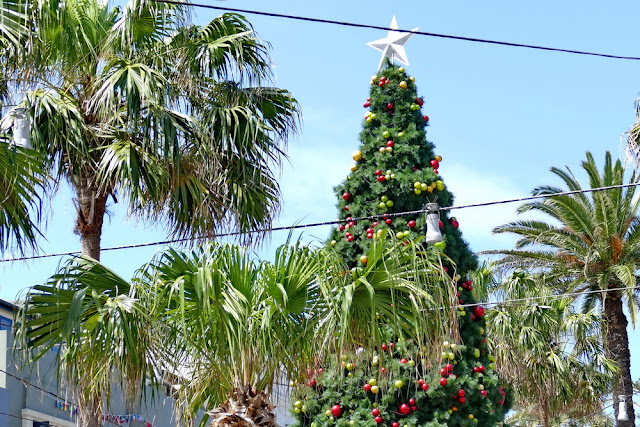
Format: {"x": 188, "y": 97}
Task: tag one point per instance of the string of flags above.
{"x": 126, "y": 419}
{"x": 115, "y": 419}
{"x": 67, "y": 407}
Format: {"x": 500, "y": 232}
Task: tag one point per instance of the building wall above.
{"x": 35, "y": 398}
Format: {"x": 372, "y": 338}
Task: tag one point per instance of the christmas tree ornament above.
{"x": 336, "y": 410}
{"x": 403, "y": 84}
{"x": 392, "y": 46}
{"x": 357, "y": 155}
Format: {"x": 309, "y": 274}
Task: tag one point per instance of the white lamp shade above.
{"x": 21, "y": 129}
{"x": 433, "y": 224}
{"x": 622, "y": 409}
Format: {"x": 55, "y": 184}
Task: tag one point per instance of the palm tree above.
{"x": 550, "y": 354}
{"x": 241, "y": 326}
{"x": 136, "y": 104}
{"x": 21, "y": 179}
{"x": 593, "y": 249}
{"x": 223, "y": 328}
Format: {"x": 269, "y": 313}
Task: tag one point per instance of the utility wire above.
{"x": 420, "y": 33}
{"x": 49, "y": 393}
{"x": 334, "y": 222}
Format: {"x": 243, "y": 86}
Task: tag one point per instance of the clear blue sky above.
{"x": 500, "y": 116}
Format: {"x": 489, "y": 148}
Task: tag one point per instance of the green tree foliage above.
{"x": 223, "y": 327}
{"x": 592, "y": 244}
{"x": 399, "y": 385}
{"x": 551, "y": 354}
{"x": 393, "y": 173}
{"x": 135, "y": 104}
{"x": 22, "y": 180}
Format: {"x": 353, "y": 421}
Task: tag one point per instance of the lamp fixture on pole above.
{"x": 622, "y": 408}
{"x": 433, "y": 223}
{"x": 21, "y": 128}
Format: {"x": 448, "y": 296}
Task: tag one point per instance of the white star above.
{"x": 392, "y": 46}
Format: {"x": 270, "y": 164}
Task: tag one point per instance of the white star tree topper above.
{"x": 392, "y": 46}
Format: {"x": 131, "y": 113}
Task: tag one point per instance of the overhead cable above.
{"x": 334, "y": 222}
{"x": 378, "y": 27}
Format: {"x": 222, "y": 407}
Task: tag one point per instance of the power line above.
{"x": 333, "y": 222}
{"x": 420, "y": 33}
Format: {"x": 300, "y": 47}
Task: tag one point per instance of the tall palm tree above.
{"x": 22, "y": 179}
{"x": 551, "y": 354}
{"x": 136, "y": 104}
{"x": 592, "y": 246}
{"x": 223, "y": 328}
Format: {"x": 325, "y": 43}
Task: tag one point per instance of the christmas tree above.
{"x": 396, "y": 170}
{"x": 402, "y": 384}
{"x": 397, "y": 386}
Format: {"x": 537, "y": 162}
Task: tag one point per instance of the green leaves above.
{"x": 22, "y": 178}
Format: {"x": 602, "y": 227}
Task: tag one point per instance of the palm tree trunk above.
{"x": 544, "y": 409}
{"x": 90, "y": 415}
{"x": 244, "y": 408}
{"x": 91, "y": 207}
{"x": 617, "y": 342}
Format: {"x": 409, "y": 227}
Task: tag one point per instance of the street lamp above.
{"x": 21, "y": 128}
{"x": 433, "y": 223}
{"x": 622, "y": 408}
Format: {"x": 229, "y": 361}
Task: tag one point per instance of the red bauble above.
{"x": 425, "y": 386}
{"x": 411, "y": 224}
{"x": 470, "y": 288}
{"x": 312, "y": 383}
{"x": 389, "y": 106}
{"x": 367, "y": 387}
{"x": 435, "y": 171}
{"x": 403, "y": 360}
{"x": 369, "y": 230}
{"x": 483, "y": 393}
{"x": 481, "y": 368}
{"x": 502, "y": 402}
{"x": 390, "y": 143}
{"x": 414, "y": 408}
{"x": 336, "y": 410}
{"x": 441, "y": 224}
{"x": 476, "y": 369}
{"x": 412, "y": 401}
{"x": 426, "y": 118}
{"x": 478, "y": 311}
{"x": 388, "y": 221}
{"x": 375, "y": 223}
{"x": 346, "y": 208}
{"x": 346, "y": 196}
{"x": 419, "y": 101}
{"x": 381, "y": 83}
{"x": 434, "y": 164}
{"x": 350, "y": 238}
{"x": 341, "y": 227}
{"x": 391, "y": 345}
{"x": 444, "y": 372}
{"x": 395, "y": 424}
{"x": 378, "y": 172}
{"x": 455, "y": 224}
{"x": 375, "y": 412}
{"x": 449, "y": 367}
{"x": 443, "y": 382}
{"x": 462, "y": 399}
{"x": 369, "y": 235}
{"x": 461, "y": 393}
{"x": 381, "y": 178}
{"x": 415, "y": 168}
{"x": 384, "y": 347}
{"x": 405, "y": 409}
{"x": 383, "y": 370}
{"x": 378, "y": 419}
{"x": 351, "y": 223}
